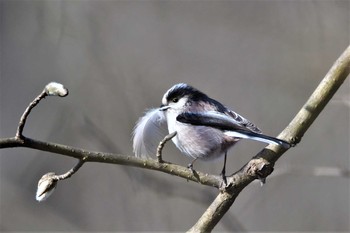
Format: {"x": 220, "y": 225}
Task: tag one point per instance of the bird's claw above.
{"x": 190, "y": 166}
{"x": 224, "y": 179}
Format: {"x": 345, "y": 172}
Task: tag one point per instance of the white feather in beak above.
{"x": 148, "y": 132}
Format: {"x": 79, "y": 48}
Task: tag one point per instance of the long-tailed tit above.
{"x": 205, "y": 128}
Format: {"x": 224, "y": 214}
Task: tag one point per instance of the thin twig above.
{"x": 48, "y": 182}
{"x": 51, "y": 89}
{"x": 71, "y": 171}
{"x": 162, "y": 144}
{"x": 22, "y": 121}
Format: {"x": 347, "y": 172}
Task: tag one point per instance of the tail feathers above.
{"x": 258, "y": 137}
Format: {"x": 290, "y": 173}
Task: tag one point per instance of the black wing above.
{"x": 227, "y": 123}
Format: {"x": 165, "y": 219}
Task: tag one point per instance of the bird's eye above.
{"x": 175, "y": 100}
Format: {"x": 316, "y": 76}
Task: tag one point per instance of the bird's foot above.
{"x": 190, "y": 166}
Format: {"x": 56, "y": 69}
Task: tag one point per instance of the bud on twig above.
{"x": 56, "y": 89}
{"x": 46, "y": 186}
{"x": 51, "y": 89}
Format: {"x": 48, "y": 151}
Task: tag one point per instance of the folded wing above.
{"x": 232, "y": 127}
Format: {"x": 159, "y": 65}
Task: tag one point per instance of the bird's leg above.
{"x": 223, "y": 172}
{"x": 190, "y": 165}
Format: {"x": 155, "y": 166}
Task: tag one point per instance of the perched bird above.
{"x": 205, "y": 128}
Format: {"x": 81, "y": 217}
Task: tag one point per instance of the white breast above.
{"x": 196, "y": 141}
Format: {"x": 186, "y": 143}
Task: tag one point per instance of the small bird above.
{"x": 205, "y": 128}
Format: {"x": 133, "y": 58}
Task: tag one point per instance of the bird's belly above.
{"x": 199, "y": 141}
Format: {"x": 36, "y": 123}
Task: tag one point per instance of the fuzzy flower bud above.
{"x": 46, "y": 186}
{"x": 56, "y": 89}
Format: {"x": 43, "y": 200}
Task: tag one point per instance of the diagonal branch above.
{"x": 265, "y": 159}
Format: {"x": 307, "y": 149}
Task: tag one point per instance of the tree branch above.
{"x": 92, "y": 156}
{"x": 263, "y": 162}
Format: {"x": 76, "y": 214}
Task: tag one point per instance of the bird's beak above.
{"x": 163, "y": 107}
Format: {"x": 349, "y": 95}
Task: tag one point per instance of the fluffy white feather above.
{"x": 148, "y": 132}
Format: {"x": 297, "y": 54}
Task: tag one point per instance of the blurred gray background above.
{"x": 117, "y": 58}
